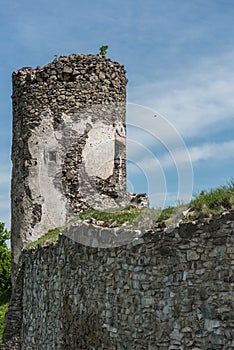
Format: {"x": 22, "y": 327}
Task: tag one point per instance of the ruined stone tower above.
{"x": 68, "y": 148}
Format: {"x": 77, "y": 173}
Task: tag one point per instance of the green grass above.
{"x": 214, "y": 201}
{"x": 115, "y": 217}
{"x": 165, "y": 214}
{"x": 4, "y": 301}
{"x": 50, "y": 237}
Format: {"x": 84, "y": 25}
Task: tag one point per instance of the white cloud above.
{"x": 194, "y": 98}
{"x": 206, "y": 151}
{"x": 224, "y": 150}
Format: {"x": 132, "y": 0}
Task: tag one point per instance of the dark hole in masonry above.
{"x": 52, "y": 156}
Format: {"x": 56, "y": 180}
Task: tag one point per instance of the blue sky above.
{"x": 179, "y": 57}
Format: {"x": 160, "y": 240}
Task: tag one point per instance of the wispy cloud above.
{"x": 206, "y": 151}
{"x": 196, "y": 97}
{"x": 218, "y": 151}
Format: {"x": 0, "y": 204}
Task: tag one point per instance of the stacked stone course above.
{"x": 167, "y": 289}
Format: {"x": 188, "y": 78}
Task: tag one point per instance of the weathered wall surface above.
{"x": 68, "y": 149}
{"x": 167, "y": 289}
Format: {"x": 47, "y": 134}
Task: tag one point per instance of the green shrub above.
{"x": 5, "y": 274}
{"x": 5, "y": 260}
{"x": 4, "y": 301}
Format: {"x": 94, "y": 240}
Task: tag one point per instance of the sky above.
{"x": 179, "y": 57}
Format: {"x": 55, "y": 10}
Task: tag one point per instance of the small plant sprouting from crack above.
{"x": 103, "y": 50}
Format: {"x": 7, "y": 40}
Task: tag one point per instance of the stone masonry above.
{"x": 68, "y": 149}
{"x": 166, "y": 289}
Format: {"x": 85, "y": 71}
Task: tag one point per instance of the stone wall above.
{"x": 68, "y": 149}
{"x": 164, "y": 289}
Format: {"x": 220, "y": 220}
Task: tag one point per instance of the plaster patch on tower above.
{"x": 44, "y": 146}
{"x": 51, "y": 149}
{"x": 99, "y": 151}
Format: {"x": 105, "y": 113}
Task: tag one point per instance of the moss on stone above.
{"x": 49, "y": 237}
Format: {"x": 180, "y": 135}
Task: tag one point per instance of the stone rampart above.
{"x": 163, "y": 289}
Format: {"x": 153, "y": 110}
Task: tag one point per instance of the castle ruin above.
{"x": 69, "y": 147}
{"x": 165, "y": 289}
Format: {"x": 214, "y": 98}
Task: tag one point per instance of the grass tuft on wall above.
{"x": 214, "y": 201}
